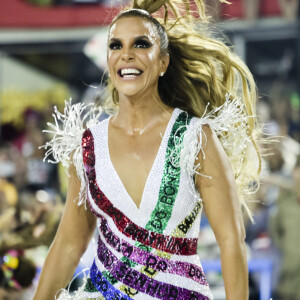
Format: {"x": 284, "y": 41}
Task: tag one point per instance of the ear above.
{"x": 165, "y": 60}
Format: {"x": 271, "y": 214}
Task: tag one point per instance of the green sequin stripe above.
{"x": 171, "y": 177}
{"x": 89, "y": 286}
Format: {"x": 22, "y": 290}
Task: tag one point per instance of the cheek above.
{"x": 153, "y": 58}
{"x": 110, "y": 60}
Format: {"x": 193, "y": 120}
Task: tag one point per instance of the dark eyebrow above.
{"x": 141, "y": 37}
{"x": 115, "y": 40}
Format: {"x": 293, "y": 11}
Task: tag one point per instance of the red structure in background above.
{"x": 21, "y": 14}
{"x": 268, "y": 8}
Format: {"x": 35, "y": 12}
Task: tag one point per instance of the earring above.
{"x": 162, "y": 74}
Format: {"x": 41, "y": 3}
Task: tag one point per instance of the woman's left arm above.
{"x": 223, "y": 210}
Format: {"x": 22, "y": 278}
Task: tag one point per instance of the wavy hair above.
{"x": 202, "y": 70}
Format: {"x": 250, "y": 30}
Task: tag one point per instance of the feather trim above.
{"x": 65, "y": 146}
{"x": 229, "y": 121}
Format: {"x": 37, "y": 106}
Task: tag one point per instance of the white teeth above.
{"x": 130, "y": 71}
{"x": 129, "y": 76}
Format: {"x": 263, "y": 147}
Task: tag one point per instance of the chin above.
{"x": 128, "y": 95}
{"x": 129, "y": 92}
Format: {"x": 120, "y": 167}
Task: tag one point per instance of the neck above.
{"x": 138, "y": 114}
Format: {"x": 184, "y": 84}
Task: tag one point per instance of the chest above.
{"x": 166, "y": 191}
{"x": 133, "y": 158}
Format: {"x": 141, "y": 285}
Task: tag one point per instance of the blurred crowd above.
{"x": 274, "y": 235}
{"x": 30, "y": 208}
{"x": 32, "y": 192}
{"x": 252, "y": 10}
{"x": 242, "y": 9}
{"x": 77, "y": 2}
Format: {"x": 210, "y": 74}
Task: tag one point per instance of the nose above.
{"x": 127, "y": 54}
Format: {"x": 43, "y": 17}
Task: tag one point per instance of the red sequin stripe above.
{"x": 173, "y": 245}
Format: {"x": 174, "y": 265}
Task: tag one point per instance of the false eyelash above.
{"x": 113, "y": 45}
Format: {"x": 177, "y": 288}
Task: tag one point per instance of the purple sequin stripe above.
{"x": 141, "y": 282}
{"x": 149, "y": 260}
{"x": 103, "y": 286}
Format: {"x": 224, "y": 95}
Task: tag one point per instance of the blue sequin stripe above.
{"x": 108, "y": 291}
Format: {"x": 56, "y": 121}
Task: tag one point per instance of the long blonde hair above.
{"x": 202, "y": 69}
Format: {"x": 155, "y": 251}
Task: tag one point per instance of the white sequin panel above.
{"x": 185, "y": 201}
{"x": 107, "y": 179}
{"x": 184, "y": 204}
{"x": 88, "y": 296}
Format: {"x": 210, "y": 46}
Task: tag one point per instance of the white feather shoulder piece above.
{"x": 67, "y": 130}
{"x": 229, "y": 121}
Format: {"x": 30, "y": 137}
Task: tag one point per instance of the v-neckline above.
{"x": 157, "y": 156}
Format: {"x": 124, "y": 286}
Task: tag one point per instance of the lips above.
{"x": 129, "y": 72}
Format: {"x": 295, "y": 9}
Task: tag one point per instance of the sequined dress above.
{"x": 148, "y": 252}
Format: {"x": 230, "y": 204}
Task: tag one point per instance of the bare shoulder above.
{"x": 213, "y": 151}
{"x": 212, "y": 141}
{"x": 214, "y": 161}
{"x": 218, "y": 188}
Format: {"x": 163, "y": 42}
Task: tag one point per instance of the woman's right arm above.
{"x": 73, "y": 235}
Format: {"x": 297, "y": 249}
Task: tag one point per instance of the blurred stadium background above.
{"x": 51, "y": 50}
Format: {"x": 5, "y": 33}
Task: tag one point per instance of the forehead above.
{"x": 130, "y": 27}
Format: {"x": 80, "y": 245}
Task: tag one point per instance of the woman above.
{"x": 150, "y": 168}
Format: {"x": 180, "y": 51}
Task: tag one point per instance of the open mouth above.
{"x": 130, "y": 73}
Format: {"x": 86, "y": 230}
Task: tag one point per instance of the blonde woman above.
{"x": 176, "y": 142}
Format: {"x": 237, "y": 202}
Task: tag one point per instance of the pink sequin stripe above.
{"x": 173, "y": 245}
{"x": 149, "y": 260}
{"x": 141, "y": 282}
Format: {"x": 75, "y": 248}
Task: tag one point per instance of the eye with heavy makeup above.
{"x": 139, "y": 42}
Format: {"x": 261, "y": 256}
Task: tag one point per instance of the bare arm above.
{"x": 74, "y": 233}
{"x": 223, "y": 210}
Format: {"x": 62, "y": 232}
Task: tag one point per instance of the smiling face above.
{"x": 134, "y": 57}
